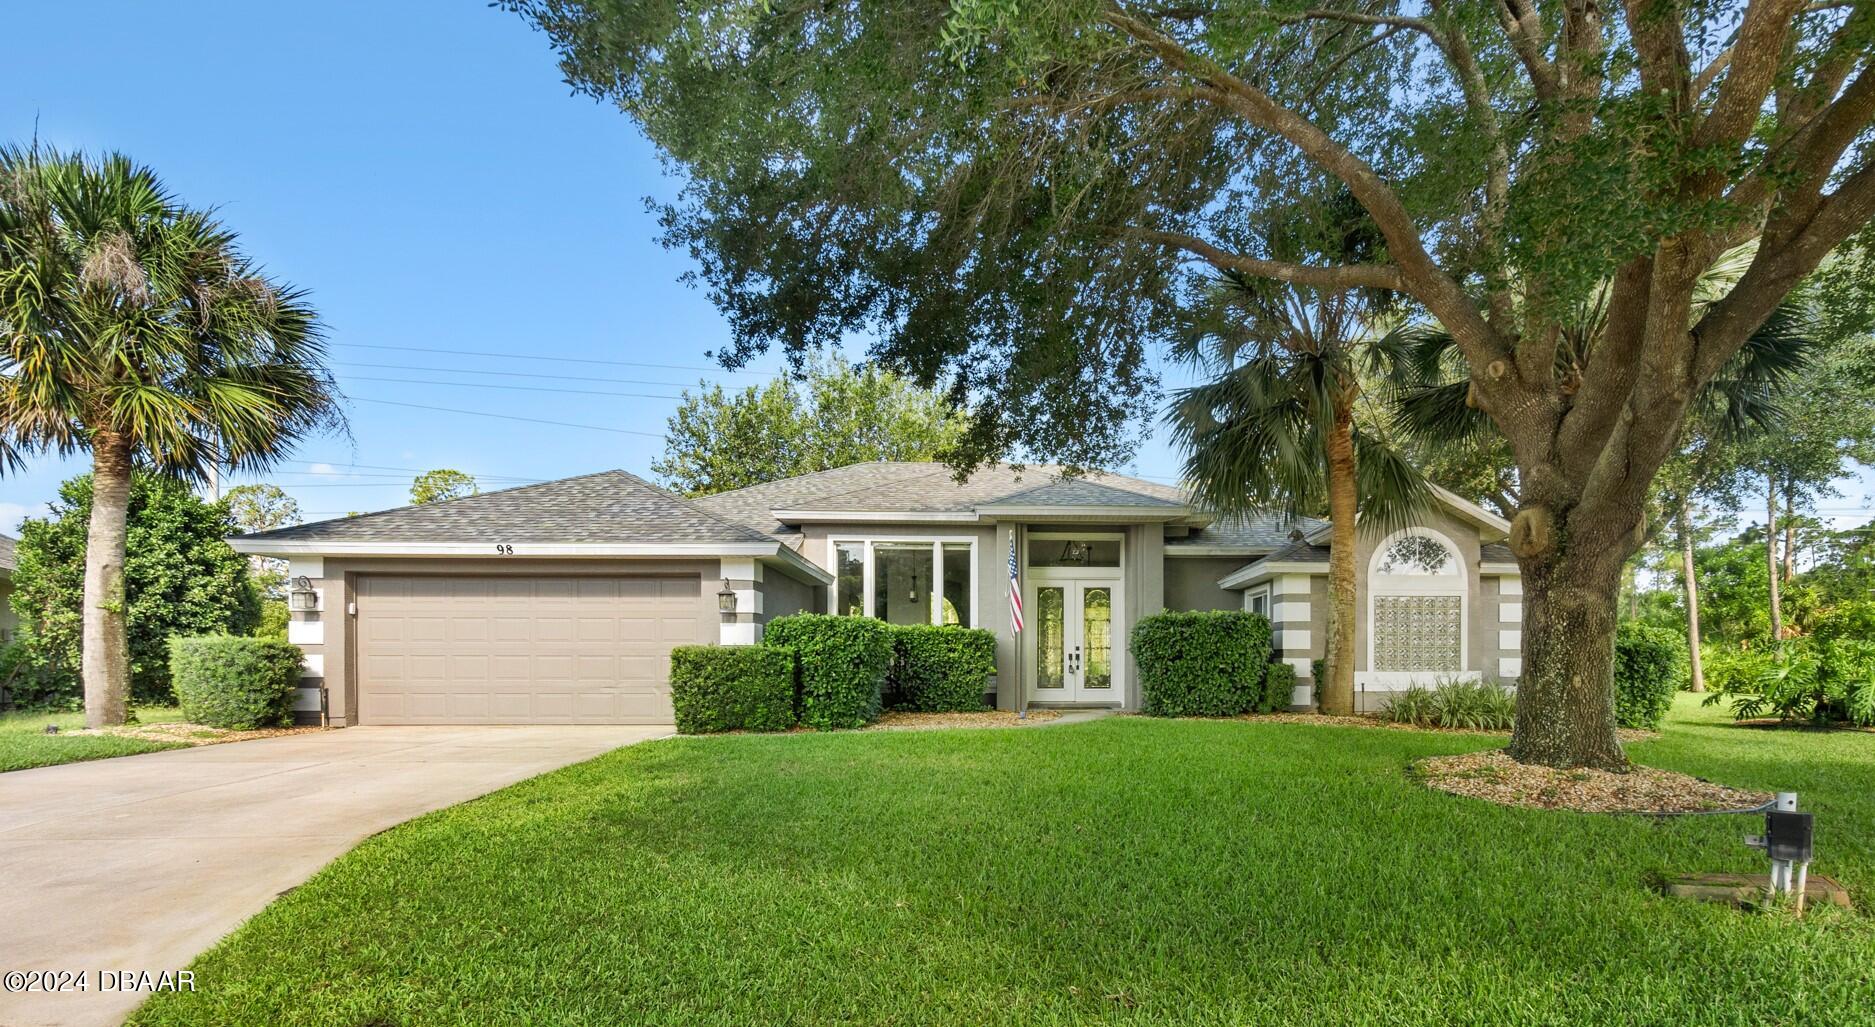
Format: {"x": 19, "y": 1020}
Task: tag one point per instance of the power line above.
{"x": 512, "y": 388}
{"x": 537, "y": 356}
{"x": 514, "y": 374}
{"x": 508, "y": 417}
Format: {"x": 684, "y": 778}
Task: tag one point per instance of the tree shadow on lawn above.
{"x": 1131, "y": 869}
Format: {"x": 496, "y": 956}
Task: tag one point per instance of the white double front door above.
{"x": 1074, "y": 652}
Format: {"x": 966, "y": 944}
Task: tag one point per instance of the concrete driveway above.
{"x": 140, "y": 863}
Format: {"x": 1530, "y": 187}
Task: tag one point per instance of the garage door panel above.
{"x": 521, "y": 649}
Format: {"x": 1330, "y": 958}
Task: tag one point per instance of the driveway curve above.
{"x": 140, "y": 863}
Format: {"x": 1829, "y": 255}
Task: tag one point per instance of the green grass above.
{"x": 24, "y": 743}
{"x": 1126, "y": 871}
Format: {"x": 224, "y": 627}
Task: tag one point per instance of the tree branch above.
{"x": 1419, "y": 275}
{"x": 1345, "y": 276}
{"x": 1524, "y": 28}
{"x": 1755, "y": 60}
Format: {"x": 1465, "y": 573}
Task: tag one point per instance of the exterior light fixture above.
{"x": 302, "y": 597}
{"x": 726, "y": 599}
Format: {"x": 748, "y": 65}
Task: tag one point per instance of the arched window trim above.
{"x": 1379, "y": 584}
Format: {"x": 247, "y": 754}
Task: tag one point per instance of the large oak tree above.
{"x": 1014, "y": 197}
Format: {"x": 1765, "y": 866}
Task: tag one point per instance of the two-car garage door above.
{"x": 521, "y": 650}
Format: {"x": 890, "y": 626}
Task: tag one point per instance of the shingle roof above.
{"x": 933, "y": 488}
{"x": 1496, "y": 552}
{"x": 1260, "y": 531}
{"x": 607, "y": 507}
{"x": 1081, "y": 492}
{"x": 9, "y": 559}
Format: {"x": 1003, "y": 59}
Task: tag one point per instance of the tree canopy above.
{"x": 837, "y": 414}
{"x": 181, "y": 578}
{"x": 440, "y": 484}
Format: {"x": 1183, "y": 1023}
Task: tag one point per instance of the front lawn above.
{"x": 24, "y": 742}
{"x": 1129, "y": 870}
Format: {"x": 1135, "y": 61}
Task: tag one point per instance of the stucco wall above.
{"x": 782, "y": 595}
{"x": 1191, "y": 583}
{"x": 1464, "y": 536}
{"x": 9, "y": 621}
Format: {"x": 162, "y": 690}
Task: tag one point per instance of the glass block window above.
{"x": 1417, "y": 633}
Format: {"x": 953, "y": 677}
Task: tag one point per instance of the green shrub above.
{"x": 1279, "y": 683}
{"x": 1468, "y": 705}
{"x": 1201, "y": 663}
{"x": 1413, "y": 706}
{"x": 840, "y": 666}
{"x": 940, "y": 668}
{"x": 234, "y": 682}
{"x": 1730, "y": 669}
{"x": 273, "y": 619}
{"x": 1818, "y": 682}
{"x": 1651, "y": 664}
{"x": 731, "y": 688}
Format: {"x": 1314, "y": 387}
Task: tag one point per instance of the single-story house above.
{"x": 560, "y": 602}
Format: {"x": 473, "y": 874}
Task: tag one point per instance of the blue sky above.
{"x": 421, "y": 168}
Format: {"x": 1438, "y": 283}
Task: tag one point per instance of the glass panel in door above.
{"x": 1051, "y": 637}
{"x": 1097, "y": 638}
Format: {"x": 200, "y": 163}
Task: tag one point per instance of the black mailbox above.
{"x": 1787, "y": 835}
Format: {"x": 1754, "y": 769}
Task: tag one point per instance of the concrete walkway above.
{"x": 140, "y": 863}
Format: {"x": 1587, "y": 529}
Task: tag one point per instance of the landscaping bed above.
{"x": 24, "y": 743}
{"x": 1370, "y": 720}
{"x": 1494, "y": 777}
{"x": 900, "y": 720}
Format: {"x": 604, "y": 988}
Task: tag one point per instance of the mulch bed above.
{"x": 1494, "y": 777}
{"x": 899, "y": 721}
{"x": 1369, "y": 720}
{"x": 192, "y": 734}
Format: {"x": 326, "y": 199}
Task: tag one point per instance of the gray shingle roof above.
{"x": 1496, "y": 552}
{"x": 607, "y": 507}
{"x": 1263, "y": 531}
{"x": 908, "y": 487}
{"x": 1082, "y": 492}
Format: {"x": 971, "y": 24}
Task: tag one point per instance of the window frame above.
{"x": 1250, "y": 598}
{"x": 1459, "y": 585}
{"x": 867, "y": 565}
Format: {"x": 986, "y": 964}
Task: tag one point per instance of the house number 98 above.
{"x": 504, "y": 550}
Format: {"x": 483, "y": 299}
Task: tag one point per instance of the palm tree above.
{"x": 1277, "y": 428}
{"x": 132, "y": 327}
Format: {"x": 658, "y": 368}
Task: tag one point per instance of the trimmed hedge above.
{"x": 1651, "y": 664}
{"x": 233, "y": 682}
{"x": 1206, "y": 663}
{"x": 841, "y": 666}
{"x": 1279, "y": 682}
{"x": 732, "y": 688}
{"x": 940, "y": 668}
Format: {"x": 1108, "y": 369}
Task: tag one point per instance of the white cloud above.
{"x": 325, "y": 469}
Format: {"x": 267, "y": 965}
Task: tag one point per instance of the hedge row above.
{"x": 1210, "y": 663}
{"x": 830, "y": 672}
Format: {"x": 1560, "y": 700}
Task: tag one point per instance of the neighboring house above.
{"x": 560, "y": 602}
{"x": 9, "y": 621}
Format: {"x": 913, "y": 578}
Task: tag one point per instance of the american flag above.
{"x": 1015, "y": 590}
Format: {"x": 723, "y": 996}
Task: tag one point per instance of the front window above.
{"x": 905, "y": 581}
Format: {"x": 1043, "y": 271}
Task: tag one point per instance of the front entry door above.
{"x": 1074, "y": 656}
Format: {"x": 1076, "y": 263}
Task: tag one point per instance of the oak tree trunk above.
{"x": 105, "y": 662}
{"x": 1691, "y": 582}
{"x": 1565, "y": 697}
{"x": 1770, "y": 555}
{"x": 1337, "y": 693}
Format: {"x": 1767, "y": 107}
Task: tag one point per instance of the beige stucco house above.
{"x": 560, "y": 602}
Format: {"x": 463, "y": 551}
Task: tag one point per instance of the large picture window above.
{"x": 906, "y": 581}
